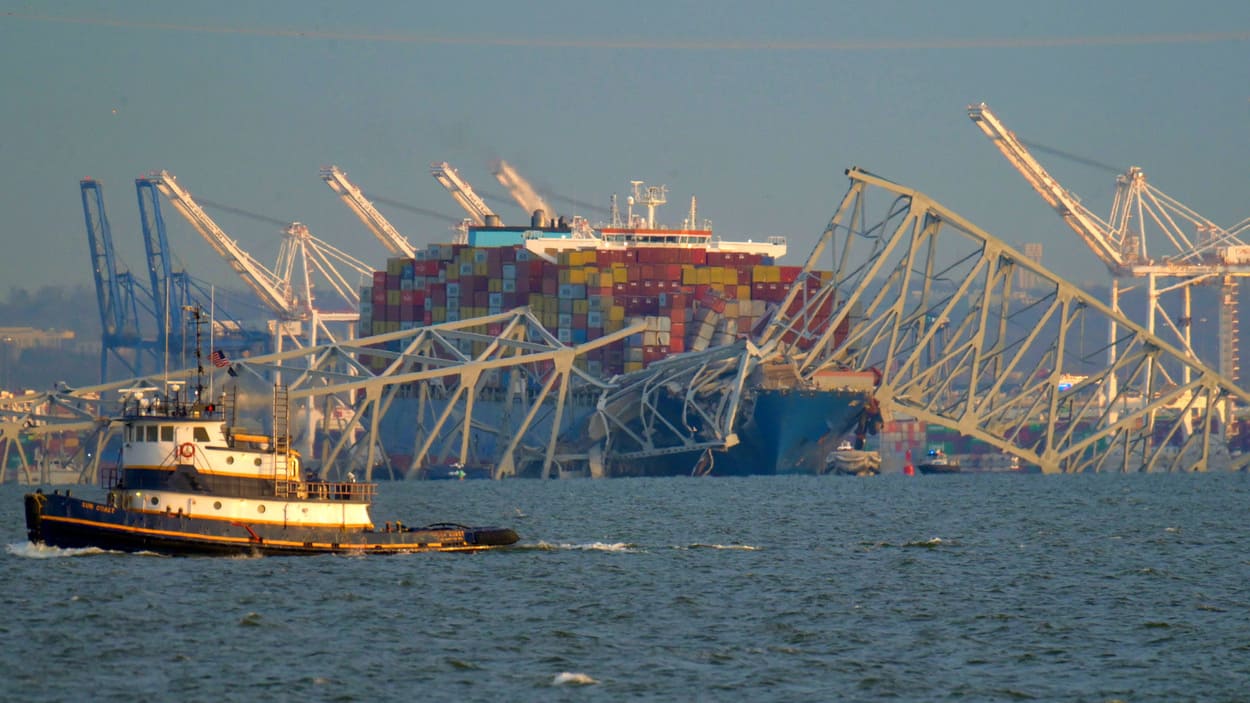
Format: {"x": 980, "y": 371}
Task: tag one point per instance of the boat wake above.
{"x": 566, "y": 677}
{"x": 31, "y": 550}
{"x": 733, "y": 547}
{"x": 931, "y": 543}
{"x": 587, "y": 547}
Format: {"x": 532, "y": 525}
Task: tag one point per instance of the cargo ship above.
{"x": 691, "y": 292}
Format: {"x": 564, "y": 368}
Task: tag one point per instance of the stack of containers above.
{"x": 687, "y": 298}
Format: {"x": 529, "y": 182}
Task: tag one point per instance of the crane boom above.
{"x": 390, "y": 237}
{"x": 272, "y": 290}
{"x": 1107, "y": 244}
{"x": 462, "y": 192}
{"x": 521, "y": 190}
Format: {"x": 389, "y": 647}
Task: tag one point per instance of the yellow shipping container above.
{"x": 393, "y": 297}
{"x": 716, "y": 274}
{"x": 576, "y": 276}
{"x": 631, "y": 366}
{"x": 620, "y": 274}
{"x": 494, "y": 285}
{"x": 616, "y": 313}
{"x": 689, "y": 275}
{"x": 581, "y": 307}
{"x": 744, "y": 292}
{"x": 731, "y": 276}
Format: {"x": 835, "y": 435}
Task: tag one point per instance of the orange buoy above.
{"x": 908, "y": 469}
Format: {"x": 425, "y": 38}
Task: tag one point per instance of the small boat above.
{"x": 846, "y": 460}
{"x": 936, "y": 462}
{"x": 189, "y": 482}
{"x": 455, "y": 471}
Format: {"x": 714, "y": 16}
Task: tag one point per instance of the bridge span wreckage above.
{"x": 918, "y": 319}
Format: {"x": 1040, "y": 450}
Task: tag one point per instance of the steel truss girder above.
{"x": 684, "y": 403}
{"x": 926, "y": 299}
{"x": 424, "y": 358}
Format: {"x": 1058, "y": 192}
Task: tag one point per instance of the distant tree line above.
{"x": 51, "y": 308}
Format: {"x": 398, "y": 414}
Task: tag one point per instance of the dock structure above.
{"x": 920, "y": 303}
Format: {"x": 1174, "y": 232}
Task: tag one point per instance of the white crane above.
{"x": 390, "y": 237}
{"x": 478, "y": 211}
{"x": 1211, "y": 254}
{"x": 522, "y": 192}
{"x": 287, "y": 290}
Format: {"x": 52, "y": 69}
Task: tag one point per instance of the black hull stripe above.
{"x": 104, "y": 534}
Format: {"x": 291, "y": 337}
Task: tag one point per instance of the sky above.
{"x": 755, "y": 108}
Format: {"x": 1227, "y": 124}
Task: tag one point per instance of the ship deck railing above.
{"x": 327, "y": 490}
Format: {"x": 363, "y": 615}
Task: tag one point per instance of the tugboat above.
{"x": 936, "y": 462}
{"x": 846, "y": 460}
{"x": 190, "y": 483}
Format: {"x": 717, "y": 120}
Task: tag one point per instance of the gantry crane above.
{"x": 395, "y": 243}
{"x": 174, "y": 291}
{"x": 478, "y": 211}
{"x": 288, "y": 289}
{"x": 1211, "y": 254}
{"x": 522, "y": 192}
{"x": 122, "y": 335}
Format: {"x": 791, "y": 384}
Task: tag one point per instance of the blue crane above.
{"x": 175, "y": 291}
{"x": 121, "y": 333}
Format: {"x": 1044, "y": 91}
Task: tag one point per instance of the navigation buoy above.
{"x": 908, "y": 469}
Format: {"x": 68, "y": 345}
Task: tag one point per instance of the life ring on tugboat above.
{"x": 186, "y": 450}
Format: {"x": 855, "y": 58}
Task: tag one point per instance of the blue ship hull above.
{"x": 780, "y": 431}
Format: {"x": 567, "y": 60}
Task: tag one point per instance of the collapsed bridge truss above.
{"x": 930, "y": 303}
{"x": 918, "y": 295}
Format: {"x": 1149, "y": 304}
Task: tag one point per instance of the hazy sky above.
{"x": 756, "y": 108}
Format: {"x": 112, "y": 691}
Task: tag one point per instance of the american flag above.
{"x": 218, "y": 357}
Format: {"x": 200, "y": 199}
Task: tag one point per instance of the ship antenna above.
{"x": 199, "y": 357}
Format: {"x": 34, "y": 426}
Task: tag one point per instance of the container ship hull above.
{"x": 786, "y": 432}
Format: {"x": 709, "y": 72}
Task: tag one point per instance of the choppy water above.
{"x": 972, "y": 587}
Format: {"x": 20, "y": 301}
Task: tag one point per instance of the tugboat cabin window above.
{"x": 152, "y": 429}
{"x": 201, "y": 434}
{"x": 167, "y": 433}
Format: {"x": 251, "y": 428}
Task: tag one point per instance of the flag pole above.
{"x": 212, "y": 329}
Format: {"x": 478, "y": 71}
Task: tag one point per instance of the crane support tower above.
{"x": 1187, "y": 249}
{"x": 396, "y": 243}
{"x": 121, "y": 334}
